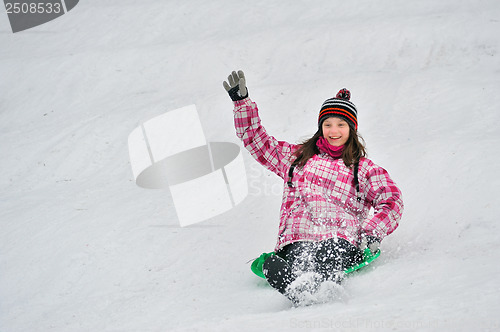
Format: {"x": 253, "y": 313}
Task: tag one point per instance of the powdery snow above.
{"x": 82, "y": 248}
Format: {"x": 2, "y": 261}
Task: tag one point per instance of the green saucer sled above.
{"x": 368, "y": 257}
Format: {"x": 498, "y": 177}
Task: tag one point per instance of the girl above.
{"x": 329, "y": 188}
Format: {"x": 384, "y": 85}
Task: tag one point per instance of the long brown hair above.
{"x": 354, "y": 150}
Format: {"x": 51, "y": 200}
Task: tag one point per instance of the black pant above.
{"x": 324, "y": 257}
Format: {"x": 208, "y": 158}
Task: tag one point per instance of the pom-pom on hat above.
{"x": 340, "y": 107}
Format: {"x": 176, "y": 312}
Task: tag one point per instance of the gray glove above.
{"x": 236, "y": 86}
{"x": 371, "y": 242}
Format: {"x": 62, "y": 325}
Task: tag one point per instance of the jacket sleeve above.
{"x": 273, "y": 154}
{"x": 387, "y": 201}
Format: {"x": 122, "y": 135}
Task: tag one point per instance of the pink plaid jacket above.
{"x": 322, "y": 202}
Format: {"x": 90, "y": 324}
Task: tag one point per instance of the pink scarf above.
{"x": 325, "y": 147}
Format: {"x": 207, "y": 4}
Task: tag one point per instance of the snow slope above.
{"x": 82, "y": 248}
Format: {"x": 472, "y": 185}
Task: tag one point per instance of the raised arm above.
{"x": 273, "y": 154}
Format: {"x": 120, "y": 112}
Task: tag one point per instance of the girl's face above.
{"x": 335, "y": 130}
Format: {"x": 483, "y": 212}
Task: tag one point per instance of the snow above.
{"x": 83, "y": 248}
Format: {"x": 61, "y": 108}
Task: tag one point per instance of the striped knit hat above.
{"x": 340, "y": 107}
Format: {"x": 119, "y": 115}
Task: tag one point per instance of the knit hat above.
{"x": 340, "y": 107}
